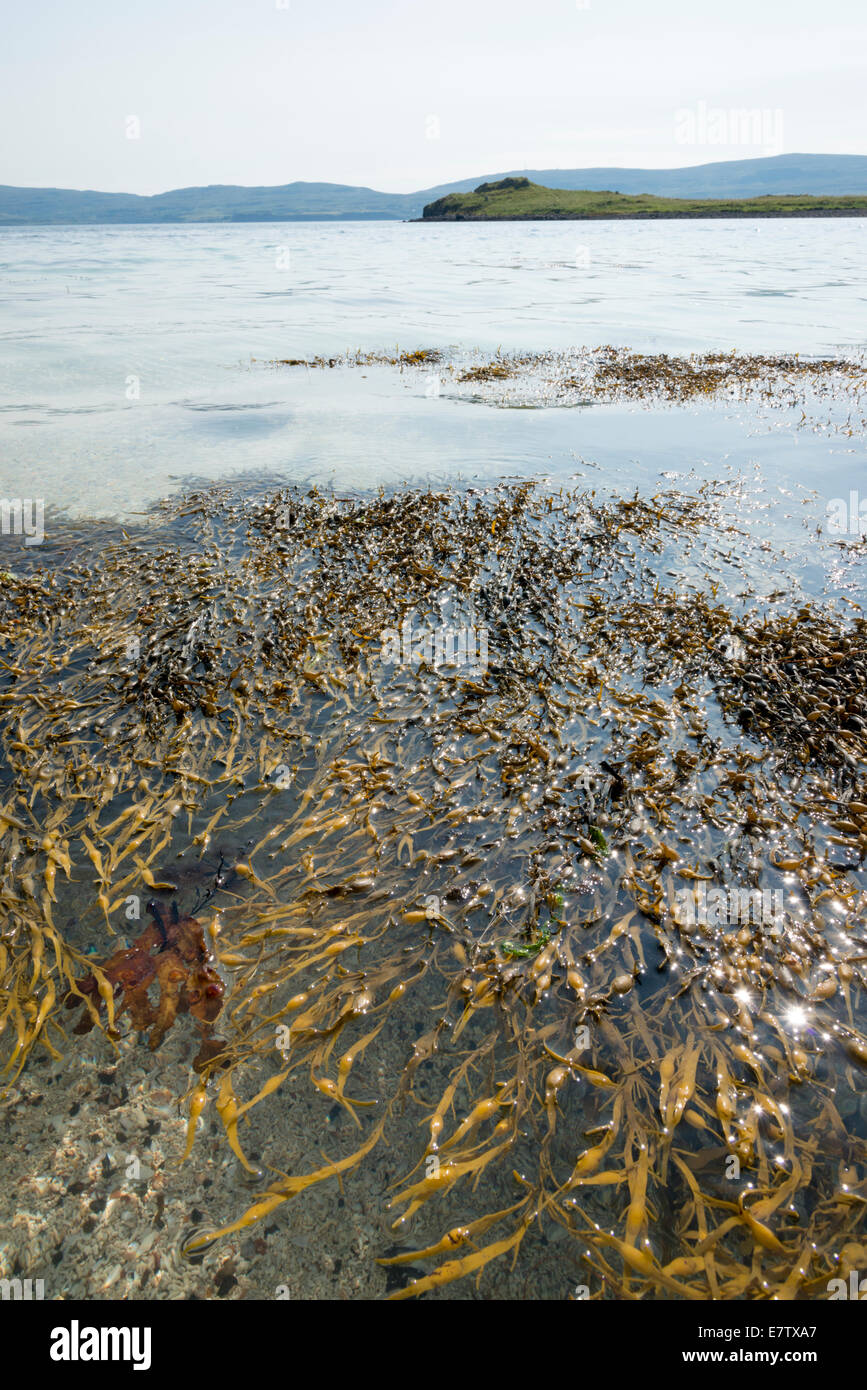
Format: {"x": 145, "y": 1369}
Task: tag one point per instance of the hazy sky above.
{"x": 402, "y": 96}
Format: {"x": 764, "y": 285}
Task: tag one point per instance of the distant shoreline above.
{"x": 343, "y": 220}
{"x": 836, "y": 178}
{"x": 643, "y": 216}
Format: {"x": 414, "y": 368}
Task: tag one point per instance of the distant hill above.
{"x": 216, "y": 203}
{"x": 815, "y": 174}
{"x": 516, "y": 199}
{"x": 818, "y": 174}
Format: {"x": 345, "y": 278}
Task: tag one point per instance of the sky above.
{"x": 141, "y": 98}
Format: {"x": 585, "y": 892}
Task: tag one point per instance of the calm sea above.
{"x": 133, "y": 358}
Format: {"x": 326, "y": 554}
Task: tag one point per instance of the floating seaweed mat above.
{"x": 813, "y": 385}
{"x": 547, "y": 856}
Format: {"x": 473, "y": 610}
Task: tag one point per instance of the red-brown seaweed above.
{"x": 170, "y": 955}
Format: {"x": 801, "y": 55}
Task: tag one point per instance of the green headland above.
{"x": 516, "y": 199}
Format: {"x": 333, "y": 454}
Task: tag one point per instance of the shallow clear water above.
{"x": 126, "y": 354}
{"x": 134, "y": 359}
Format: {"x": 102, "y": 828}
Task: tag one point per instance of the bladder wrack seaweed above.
{"x": 496, "y": 856}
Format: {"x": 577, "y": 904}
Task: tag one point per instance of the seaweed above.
{"x": 171, "y": 955}
{"x": 497, "y": 870}
{"x": 615, "y": 375}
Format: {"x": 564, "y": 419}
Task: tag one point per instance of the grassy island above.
{"x": 517, "y": 199}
